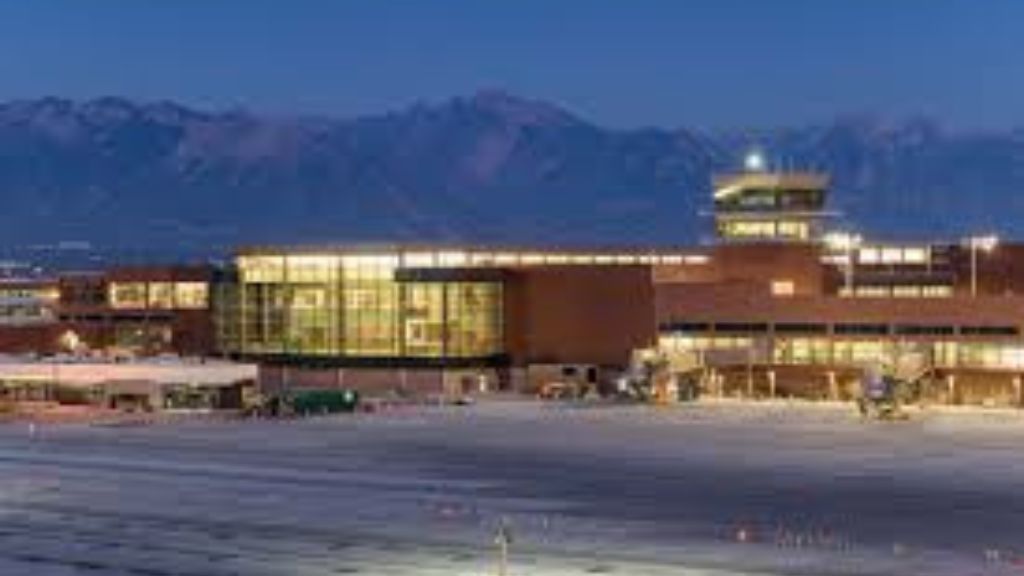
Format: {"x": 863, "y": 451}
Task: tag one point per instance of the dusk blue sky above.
{"x": 627, "y": 63}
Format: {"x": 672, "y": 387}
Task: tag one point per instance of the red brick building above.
{"x": 143, "y": 311}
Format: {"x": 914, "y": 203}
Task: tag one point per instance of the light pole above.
{"x": 503, "y": 538}
{"x": 986, "y": 243}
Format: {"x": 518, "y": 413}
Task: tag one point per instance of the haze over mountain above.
{"x": 162, "y": 178}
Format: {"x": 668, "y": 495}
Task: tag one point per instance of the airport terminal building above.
{"x": 781, "y": 304}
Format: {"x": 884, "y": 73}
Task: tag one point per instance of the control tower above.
{"x": 759, "y": 205}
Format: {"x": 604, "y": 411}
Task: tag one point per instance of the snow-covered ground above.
{"x": 73, "y": 371}
{"x": 716, "y": 489}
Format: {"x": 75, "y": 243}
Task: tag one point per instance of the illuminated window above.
{"x": 694, "y": 259}
{"x": 418, "y": 259}
{"x": 872, "y": 291}
{"x": 482, "y": 259}
{"x": 750, "y": 229}
{"x": 892, "y": 255}
{"x": 791, "y": 229}
{"x": 128, "y": 295}
{"x": 424, "y": 320}
{"x": 160, "y": 295}
{"x": 261, "y": 268}
{"x": 361, "y": 298}
{"x": 191, "y": 295}
{"x": 858, "y": 351}
{"x": 472, "y": 319}
{"x": 936, "y": 291}
{"x": 783, "y": 288}
{"x": 869, "y": 256}
{"x": 906, "y": 291}
{"x": 453, "y": 258}
{"x": 306, "y": 298}
{"x": 803, "y": 351}
{"x": 915, "y": 255}
{"x": 945, "y": 354}
{"x": 311, "y": 268}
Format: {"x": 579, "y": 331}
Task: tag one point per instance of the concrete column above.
{"x": 951, "y": 387}
{"x": 833, "y": 386}
{"x": 750, "y": 369}
{"x": 771, "y": 383}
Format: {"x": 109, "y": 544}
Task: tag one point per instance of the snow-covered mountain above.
{"x": 487, "y": 168}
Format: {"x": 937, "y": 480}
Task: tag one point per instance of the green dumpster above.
{"x": 325, "y": 401}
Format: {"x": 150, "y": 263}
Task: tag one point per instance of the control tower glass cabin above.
{"x": 760, "y": 206}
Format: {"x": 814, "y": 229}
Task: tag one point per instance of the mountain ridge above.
{"x": 490, "y": 167}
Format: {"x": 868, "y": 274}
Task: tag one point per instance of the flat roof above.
{"x": 729, "y": 184}
{"x": 400, "y": 248}
{"x": 371, "y": 247}
{"x": 16, "y": 282}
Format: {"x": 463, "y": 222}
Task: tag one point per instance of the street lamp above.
{"x": 985, "y": 243}
{"x": 845, "y": 242}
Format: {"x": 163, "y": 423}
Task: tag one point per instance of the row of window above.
{"x": 767, "y": 199}
{"x": 827, "y": 351}
{"x": 898, "y": 291}
{"x": 893, "y": 255}
{"x": 791, "y": 229}
{"x": 159, "y": 295}
{"x": 25, "y": 313}
{"x": 839, "y": 328}
{"x": 330, "y": 267}
{"x": 49, "y": 294}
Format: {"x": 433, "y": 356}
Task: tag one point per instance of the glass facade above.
{"x": 756, "y": 206}
{"x": 352, "y": 305}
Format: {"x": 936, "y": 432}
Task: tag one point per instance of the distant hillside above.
{"x": 492, "y": 167}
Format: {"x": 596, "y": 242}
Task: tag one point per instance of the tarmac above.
{"x": 720, "y": 488}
